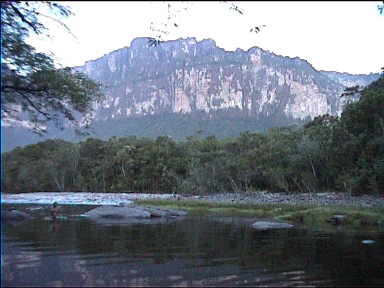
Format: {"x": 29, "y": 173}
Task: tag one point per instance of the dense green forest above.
{"x": 178, "y": 126}
{"x": 329, "y": 153}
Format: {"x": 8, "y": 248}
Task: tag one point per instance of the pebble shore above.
{"x": 76, "y": 198}
{"x": 318, "y": 199}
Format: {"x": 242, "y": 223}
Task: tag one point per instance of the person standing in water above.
{"x": 54, "y": 210}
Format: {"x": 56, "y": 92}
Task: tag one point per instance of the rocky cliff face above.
{"x": 187, "y": 76}
{"x": 184, "y": 86}
{"x": 349, "y": 80}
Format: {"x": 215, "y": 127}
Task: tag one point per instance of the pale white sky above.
{"x": 339, "y": 36}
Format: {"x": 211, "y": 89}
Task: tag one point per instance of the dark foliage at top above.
{"x": 30, "y": 82}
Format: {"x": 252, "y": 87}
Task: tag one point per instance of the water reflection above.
{"x": 192, "y": 252}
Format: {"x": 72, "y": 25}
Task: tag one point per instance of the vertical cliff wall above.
{"x": 187, "y": 76}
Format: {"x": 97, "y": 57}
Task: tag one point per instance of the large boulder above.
{"x": 132, "y": 215}
{"x": 114, "y": 212}
{"x": 267, "y": 225}
{"x": 14, "y": 215}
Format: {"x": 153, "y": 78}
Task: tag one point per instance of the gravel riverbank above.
{"x": 77, "y": 198}
{"x": 327, "y": 198}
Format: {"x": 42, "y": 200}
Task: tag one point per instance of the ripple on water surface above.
{"x": 196, "y": 251}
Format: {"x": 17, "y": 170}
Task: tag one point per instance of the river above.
{"x": 194, "y": 251}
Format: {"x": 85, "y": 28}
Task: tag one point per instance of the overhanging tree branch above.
{"x": 25, "y": 89}
{"x": 30, "y": 79}
{"x": 46, "y": 115}
{"x": 24, "y": 19}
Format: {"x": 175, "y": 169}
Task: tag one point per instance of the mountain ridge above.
{"x": 203, "y": 80}
{"x": 179, "y": 59}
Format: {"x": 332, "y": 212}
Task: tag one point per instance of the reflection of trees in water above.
{"x": 16, "y": 263}
{"x": 191, "y": 252}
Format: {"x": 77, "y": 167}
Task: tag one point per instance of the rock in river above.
{"x": 14, "y": 215}
{"x": 159, "y": 212}
{"x": 337, "y": 219}
{"x": 113, "y": 212}
{"x": 267, "y": 225}
{"x": 131, "y": 214}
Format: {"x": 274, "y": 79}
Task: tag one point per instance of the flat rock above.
{"x": 337, "y": 219}
{"x": 162, "y": 212}
{"x": 156, "y": 212}
{"x": 267, "y": 225}
{"x": 15, "y": 215}
{"x": 132, "y": 214}
{"x": 113, "y": 212}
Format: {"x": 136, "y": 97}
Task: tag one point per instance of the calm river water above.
{"x": 194, "y": 251}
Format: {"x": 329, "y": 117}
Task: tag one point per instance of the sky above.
{"x": 334, "y": 36}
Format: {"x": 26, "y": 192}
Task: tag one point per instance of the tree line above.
{"x": 329, "y": 153}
